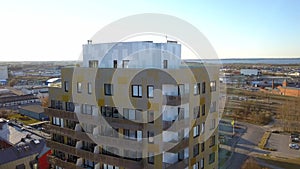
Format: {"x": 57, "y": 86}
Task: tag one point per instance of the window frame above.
{"x": 139, "y": 90}
{"x": 148, "y": 93}
{"x": 108, "y": 89}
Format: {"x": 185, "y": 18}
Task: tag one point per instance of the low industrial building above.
{"x": 34, "y": 111}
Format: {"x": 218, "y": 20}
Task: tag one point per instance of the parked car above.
{"x": 294, "y": 146}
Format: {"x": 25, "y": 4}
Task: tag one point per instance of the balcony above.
{"x": 175, "y": 100}
{"x": 62, "y": 163}
{"x": 175, "y": 147}
{"x": 90, "y": 156}
{"x": 180, "y": 164}
{"x": 79, "y": 135}
{"x": 176, "y": 125}
{"x": 61, "y": 114}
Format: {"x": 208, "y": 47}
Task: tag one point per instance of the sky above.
{"x": 40, "y": 30}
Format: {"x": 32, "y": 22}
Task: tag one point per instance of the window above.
{"x": 70, "y": 106}
{"x": 87, "y": 109}
{"x": 115, "y": 112}
{"x": 151, "y": 136}
{"x": 181, "y": 90}
{"x": 212, "y": 141}
{"x": 107, "y": 166}
{"x": 89, "y": 86}
{"x": 139, "y": 135}
{"x": 129, "y": 114}
{"x": 203, "y": 109}
{"x": 165, "y": 64}
{"x": 106, "y": 111}
{"x": 211, "y": 158}
{"x": 213, "y": 107}
{"x": 180, "y": 113}
{"x": 202, "y": 127}
{"x": 203, "y": 87}
{"x": 136, "y": 90}
{"x": 196, "y": 166}
{"x": 213, "y": 86}
{"x": 66, "y": 84}
{"x": 93, "y": 63}
{"x": 79, "y": 87}
{"x": 125, "y": 63}
{"x": 213, "y": 124}
{"x": 115, "y": 64}
{"x": 196, "y": 112}
{"x": 150, "y": 91}
{"x": 108, "y": 89}
{"x": 196, "y": 88}
{"x": 196, "y": 150}
{"x": 150, "y": 158}
{"x": 181, "y": 155}
{"x": 202, "y": 163}
{"x": 196, "y": 131}
{"x": 202, "y": 147}
{"x": 150, "y": 117}
{"x": 130, "y": 134}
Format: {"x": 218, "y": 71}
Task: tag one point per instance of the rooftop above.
{"x": 33, "y": 108}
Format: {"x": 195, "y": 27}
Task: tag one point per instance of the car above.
{"x": 294, "y": 146}
{"x": 295, "y": 140}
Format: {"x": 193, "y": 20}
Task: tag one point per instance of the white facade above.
{"x": 145, "y": 54}
{"x": 250, "y": 72}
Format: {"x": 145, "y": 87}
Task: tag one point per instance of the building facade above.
{"x": 134, "y": 105}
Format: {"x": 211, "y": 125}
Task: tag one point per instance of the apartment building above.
{"x": 134, "y": 105}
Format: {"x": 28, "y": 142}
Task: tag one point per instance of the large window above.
{"x": 196, "y": 150}
{"x": 108, "y": 89}
{"x": 151, "y": 136}
{"x": 196, "y": 88}
{"x": 211, "y": 158}
{"x": 196, "y": 131}
{"x": 93, "y": 63}
{"x": 79, "y": 87}
{"x": 203, "y": 109}
{"x": 213, "y": 86}
{"x": 137, "y": 90}
{"x": 212, "y": 141}
{"x": 196, "y": 166}
{"x": 125, "y": 63}
{"x": 66, "y": 84}
{"x": 129, "y": 114}
{"x": 203, "y": 87}
{"x": 150, "y": 117}
{"x": 202, "y": 147}
{"x": 89, "y": 86}
{"x": 150, "y": 158}
{"x": 213, "y": 107}
{"x": 150, "y": 91}
{"x": 202, "y": 163}
{"x": 196, "y": 112}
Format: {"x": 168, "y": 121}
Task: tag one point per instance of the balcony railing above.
{"x": 62, "y": 163}
{"x": 180, "y": 164}
{"x": 61, "y": 113}
{"x": 92, "y": 156}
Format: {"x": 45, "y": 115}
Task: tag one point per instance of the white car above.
{"x": 294, "y": 146}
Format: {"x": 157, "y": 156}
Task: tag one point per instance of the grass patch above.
{"x": 263, "y": 142}
{"x": 21, "y": 118}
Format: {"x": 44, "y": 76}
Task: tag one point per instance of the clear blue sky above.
{"x": 56, "y": 29}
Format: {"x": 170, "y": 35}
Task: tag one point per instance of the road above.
{"x": 246, "y": 145}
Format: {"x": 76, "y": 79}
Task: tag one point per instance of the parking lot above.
{"x": 281, "y": 143}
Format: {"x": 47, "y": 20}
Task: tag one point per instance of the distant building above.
{"x": 3, "y": 75}
{"x": 287, "y": 90}
{"x": 34, "y": 111}
{"x": 250, "y": 72}
{"x": 20, "y": 149}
